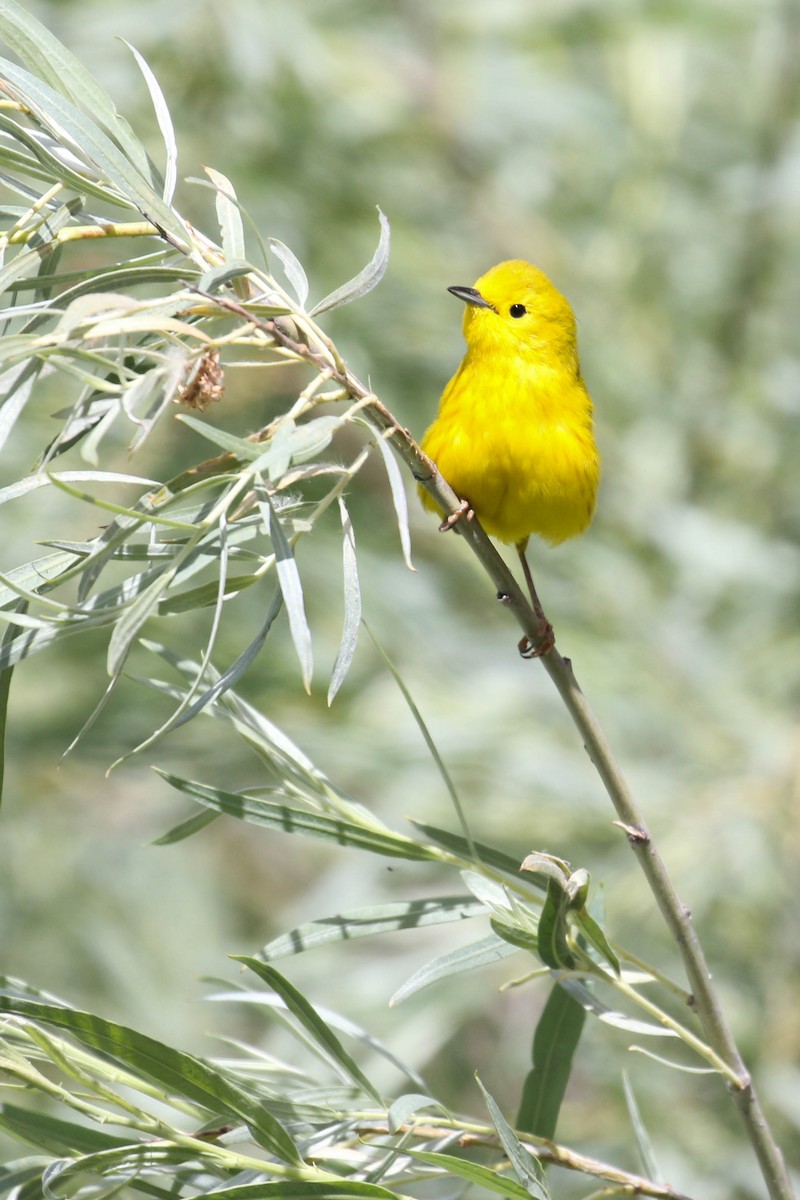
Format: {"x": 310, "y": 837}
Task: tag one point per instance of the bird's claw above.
{"x": 463, "y": 512}
{"x": 528, "y": 650}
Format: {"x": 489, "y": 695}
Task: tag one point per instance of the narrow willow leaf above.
{"x": 54, "y": 1135}
{"x": 302, "y": 1189}
{"x": 17, "y": 386}
{"x": 597, "y": 938}
{"x": 186, "y": 829}
{"x": 366, "y": 922}
{"x": 405, "y": 1107}
{"x": 127, "y": 627}
{"x": 609, "y": 1016}
{"x": 164, "y": 124}
{"x": 46, "y": 57}
{"x": 311, "y": 1021}
{"x": 31, "y": 482}
{"x": 555, "y": 1040}
{"x": 399, "y": 500}
{"x": 352, "y": 605}
{"x": 484, "y": 1177}
{"x": 455, "y": 844}
{"x": 230, "y": 219}
{"x": 553, "y": 946}
{"x": 27, "y": 261}
{"x": 291, "y": 587}
{"x": 527, "y": 1166}
{"x": 61, "y": 117}
{"x": 5, "y": 686}
{"x": 282, "y": 817}
{"x": 643, "y": 1142}
{"x": 293, "y": 269}
{"x": 365, "y": 281}
{"x": 466, "y": 958}
{"x": 245, "y": 450}
{"x": 180, "y": 1074}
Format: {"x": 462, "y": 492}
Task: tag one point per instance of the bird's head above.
{"x": 514, "y": 309}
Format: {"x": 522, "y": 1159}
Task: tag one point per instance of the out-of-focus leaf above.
{"x": 366, "y": 922}
{"x": 293, "y": 268}
{"x": 365, "y": 281}
{"x": 643, "y": 1143}
{"x": 186, "y": 829}
{"x": 230, "y": 219}
{"x": 5, "y": 687}
{"x": 164, "y": 124}
{"x": 311, "y": 1021}
{"x": 527, "y": 1166}
{"x": 352, "y": 605}
{"x": 179, "y": 1073}
{"x": 555, "y": 1041}
{"x": 466, "y": 958}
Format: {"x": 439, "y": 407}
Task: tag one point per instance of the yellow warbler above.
{"x": 513, "y": 435}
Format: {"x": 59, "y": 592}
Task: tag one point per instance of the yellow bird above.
{"x": 513, "y": 436}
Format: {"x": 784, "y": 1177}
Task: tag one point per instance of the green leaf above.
{"x": 291, "y": 587}
{"x": 293, "y": 269}
{"x": 397, "y": 488}
{"x": 365, "y": 281}
{"x": 302, "y": 1189}
{"x": 311, "y": 1021}
{"x": 527, "y": 1166}
{"x": 405, "y": 1107}
{"x": 366, "y": 922}
{"x": 597, "y": 938}
{"x": 555, "y": 1041}
{"x": 180, "y": 1074}
{"x": 643, "y": 1143}
{"x": 352, "y": 605}
{"x": 466, "y": 958}
{"x": 455, "y": 844}
{"x": 230, "y": 221}
{"x": 283, "y": 817}
{"x": 5, "y": 687}
{"x": 484, "y": 1177}
{"x": 164, "y": 124}
{"x": 53, "y": 1134}
{"x": 554, "y": 949}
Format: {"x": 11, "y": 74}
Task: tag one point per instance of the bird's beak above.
{"x": 471, "y": 296}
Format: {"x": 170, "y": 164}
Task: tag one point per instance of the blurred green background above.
{"x": 647, "y": 156}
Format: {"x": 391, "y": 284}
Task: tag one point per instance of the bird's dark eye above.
{"x": 517, "y": 310}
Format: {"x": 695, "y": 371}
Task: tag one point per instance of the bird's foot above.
{"x": 462, "y": 513}
{"x": 527, "y": 648}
